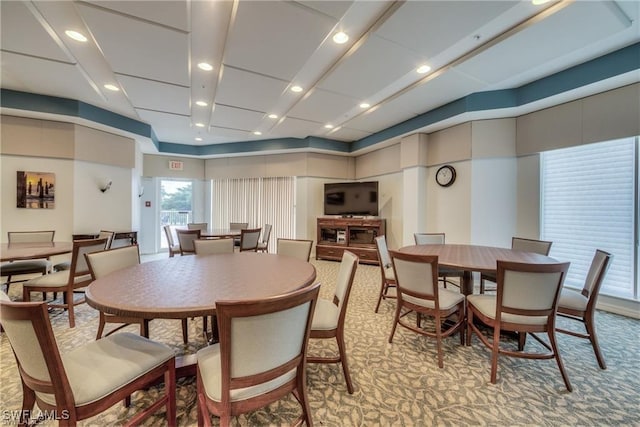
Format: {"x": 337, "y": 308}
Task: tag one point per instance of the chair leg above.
{"x": 101, "y": 324}
{"x": 343, "y": 361}
{"x": 185, "y": 331}
{"x": 554, "y": 347}
{"x": 28, "y": 401}
{"x": 439, "y": 341}
{"x": 170, "y": 393}
{"x": 72, "y": 317}
{"x": 495, "y": 351}
{"x": 591, "y": 331}
{"x": 383, "y": 289}
{"x": 395, "y": 322}
{"x": 522, "y": 340}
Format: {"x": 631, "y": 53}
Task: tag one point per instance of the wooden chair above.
{"x": 91, "y": 377}
{"x": 526, "y": 302}
{"x": 388, "y": 278}
{"x": 173, "y": 247}
{"x": 35, "y": 266}
{"x": 263, "y": 244}
{"x": 581, "y": 305}
{"x": 185, "y": 239}
{"x": 297, "y": 248}
{"x": 238, "y": 226}
{"x": 418, "y": 291}
{"x": 65, "y": 265}
{"x": 541, "y": 247}
{"x": 249, "y": 239}
{"x": 329, "y": 317}
{"x": 213, "y": 246}
{"x": 202, "y": 226}
{"x": 261, "y": 356}
{"x": 67, "y": 281}
{"x": 444, "y": 272}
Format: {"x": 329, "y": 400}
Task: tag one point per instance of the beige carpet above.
{"x": 400, "y": 384}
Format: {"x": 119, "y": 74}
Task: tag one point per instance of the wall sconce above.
{"x": 106, "y": 186}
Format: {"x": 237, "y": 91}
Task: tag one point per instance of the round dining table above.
{"x": 470, "y": 258}
{"x": 33, "y": 250}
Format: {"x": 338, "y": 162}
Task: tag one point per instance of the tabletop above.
{"x": 220, "y": 232}
{"x": 23, "y": 251}
{"x": 469, "y": 258}
{"x": 189, "y": 286}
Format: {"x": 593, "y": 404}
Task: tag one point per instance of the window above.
{"x": 257, "y": 201}
{"x": 589, "y": 202}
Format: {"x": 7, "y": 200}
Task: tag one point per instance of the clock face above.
{"x": 446, "y": 175}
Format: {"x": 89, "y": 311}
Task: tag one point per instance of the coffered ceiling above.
{"x": 260, "y": 50}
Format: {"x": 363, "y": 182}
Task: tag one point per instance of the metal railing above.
{"x": 175, "y": 217}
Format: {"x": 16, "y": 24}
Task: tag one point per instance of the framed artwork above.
{"x": 36, "y": 190}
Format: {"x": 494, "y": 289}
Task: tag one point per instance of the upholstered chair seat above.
{"x": 486, "y": 305}
{"x": 572, "y": 299}
{"x": 446, "y": 299}
{"x": 57, "y": 279}
{"x": 326, "y": 315}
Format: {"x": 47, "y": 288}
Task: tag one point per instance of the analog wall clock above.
{"x": 446, "y": 175}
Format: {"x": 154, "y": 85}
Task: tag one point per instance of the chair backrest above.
{"x": 79, "y": 266}
{"x": 531, "y": 245}
{"x": 202, "y": 226}
{"x": 213, "y": 246}
{"x": 104, "y": 262}
{"x": 169, "y": 234}
{"x": 416, "y": 276}
{"x": 266, "y": 233}
{"x": 261, "y": 340}
{"x": 296, "y": 248}
{"x": 108, "y": 235}
{"x": 529, "y": 289}
{"x": 186, "y": 238}
{"x": 28, "y": 328}
{"x": 595, "y": 276}
{"x": 249, "y": 238}
{"x": 238, "y": 225}
{"x": 429, "y": 238}
{"x": 344, "y": 282}
{"x": 386, "y": 266}
{"x": 30, "y": 236}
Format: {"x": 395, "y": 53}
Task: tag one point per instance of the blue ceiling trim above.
{"x": 615, "y": 63}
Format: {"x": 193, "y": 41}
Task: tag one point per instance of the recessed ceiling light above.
{"x": 200, "y": 125}
{"x": 198, "y": 139}
{"x": 340, "y": 37}
{"x": 329, "y": 126}
{"x": 423, "y": 69}
{"x": 273, "y": 116}
{"x": 257, "y": 132}
{"x": 76, "y": 35}
{"x": 201, "y": 103}
{"x": 204, "y": 66}
{"x": 365, "y": 105}
{"x": 539, "y": 2}
{"x": 296, "y": 89}
{"x": 112, "y": 87}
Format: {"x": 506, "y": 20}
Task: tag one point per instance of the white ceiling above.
{"x": 259, "y": 49}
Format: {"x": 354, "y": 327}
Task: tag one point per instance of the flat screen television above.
{"x": 351, "y": 198}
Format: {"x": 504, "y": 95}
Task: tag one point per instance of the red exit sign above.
{"x": 175, "y": 165}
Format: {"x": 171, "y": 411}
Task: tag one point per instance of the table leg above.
{"x": 467, "y": 283}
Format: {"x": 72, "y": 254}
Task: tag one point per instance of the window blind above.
{"x": 258, "y": 201}
{"x": 588, "y": 203}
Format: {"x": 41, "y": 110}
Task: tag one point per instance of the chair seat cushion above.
{"x": 56, "y": 280}
{"x": 210, "y": 369}
{"x": 175, "y": 248}
{"x": 262, "y": 245}
{"x": 25, "y": 267}
{"x": 486, "y": 304}
{"x": 325, "y": 317}
{"x": 447, "y": 299}
{"x": 100, "y": 367}
{"x": 573, "y": 300}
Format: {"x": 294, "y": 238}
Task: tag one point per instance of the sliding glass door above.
{"x": 176, "y": 205}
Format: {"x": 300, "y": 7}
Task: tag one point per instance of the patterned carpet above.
{"x": 400, "y": 384}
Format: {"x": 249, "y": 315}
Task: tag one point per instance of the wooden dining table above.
{"x": 473, "y": 258}
{"x": 219, "y": 233}
{"x": 189, "y": 286}
{"x": 33, "y": 250}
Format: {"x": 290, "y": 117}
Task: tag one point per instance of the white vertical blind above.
{"x": 257, "y": 201}
{"x": 588, "y": 203}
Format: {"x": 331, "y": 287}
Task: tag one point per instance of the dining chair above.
{"x": 525, "y": 302}
{"x": 67, "y": 281}
{"x": 90, "y": 378}
{"x": 297, "y": 248}
{"x": 34, "y": 266}
{"x": 202, "y": 226}
{"x": 263, "y": 244}
{"x": 249, "y": 239}
{"x": 329, "y": 317}
{"x": 444, "y": 272}
{"x": 418, "y": 292}
{"x": 387, "y": 276}
{"x": 581, "y": 305}
{"x": 185, "y": 240}
{"x": 238, "y": 226}
{"x": 261, "y": 356}
{"x": 65, "y": 265}
{"x": 173, "y": 247}
{"x": 541, "y": 247}
{"x": 213, "y": 246}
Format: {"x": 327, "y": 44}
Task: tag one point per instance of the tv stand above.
{"x": 335, "y": 234}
